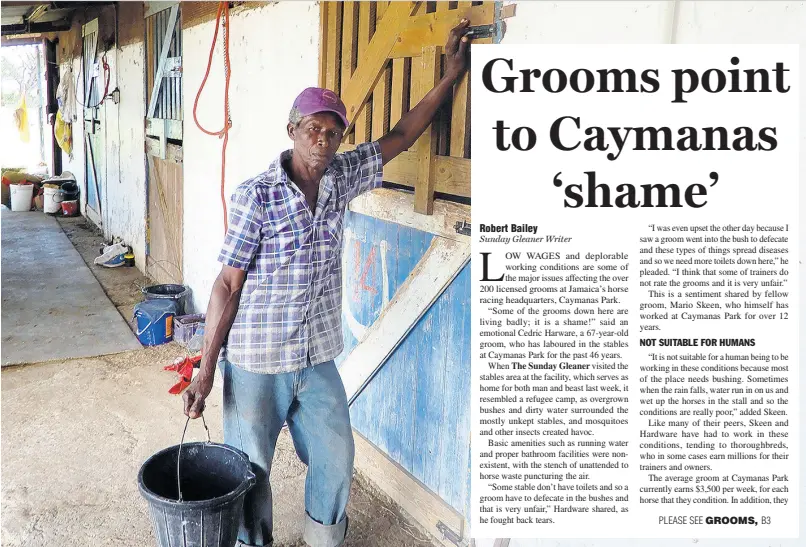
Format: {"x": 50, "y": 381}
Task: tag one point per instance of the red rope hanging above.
{"x": 223, "y": 9}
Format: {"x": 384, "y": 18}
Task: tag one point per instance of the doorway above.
{"x": 163, "y": 141}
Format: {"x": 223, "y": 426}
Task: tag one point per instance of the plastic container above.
{"x": 70, "y": 208}
{"x": 53, "y": 199}
{"x": 186, "y": 326}
{"x": 154, "y": 321}
{"x": 214, "y": 480}
{"x": 70, "y": 189}
{"x": 197, "y": 342}
{"x": 21, "y": 197}
{"x": 178, "y": 293}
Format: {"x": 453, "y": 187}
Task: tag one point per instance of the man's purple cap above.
{"x": 317, "y": 99}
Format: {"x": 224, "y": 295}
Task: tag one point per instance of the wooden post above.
{"x": 349, "y": 42}
{"x": 442, "y": 118}
{"x": 332, "y": 79}
{"x": 323, "y": 45}
{"x": 427, "y": 77}
{"x": 380, "y": 104}
{"x": 401, "y": 74}
{"x": 460, "y": 136}
{"x": 380, "y": 10}
{"x": 380, "y": 95}
{"x": 459, "y": 117}
{"x": 362, "y": 119}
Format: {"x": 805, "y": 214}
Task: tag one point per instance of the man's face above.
{"x": 317, "y": 138}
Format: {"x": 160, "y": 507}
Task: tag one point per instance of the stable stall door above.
{"x": 163, "y": 143}
{"x": 94, "y": 129}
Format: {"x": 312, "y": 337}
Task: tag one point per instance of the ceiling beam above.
{"x": 28, "y": 40}
{"x": 23, "y": 3}
{"x": 32, "y": 28}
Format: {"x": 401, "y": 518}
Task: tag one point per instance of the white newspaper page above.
{"x": 635, "y": 263}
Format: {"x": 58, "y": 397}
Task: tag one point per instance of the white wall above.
{"x": 590, "y": 22}
{"x": 678, "y": 21}
{"x": 274, "y": 55}
{"x": 125, "y": 197}
{"x": 691, "y": 22}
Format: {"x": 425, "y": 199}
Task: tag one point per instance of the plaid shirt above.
{"x": 290, "y": 307}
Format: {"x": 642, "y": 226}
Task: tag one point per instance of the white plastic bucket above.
{"x": 21, "y": 196}
{"x": 53, "y": 200}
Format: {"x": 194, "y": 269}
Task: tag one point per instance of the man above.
{"x": 277, "y": 303}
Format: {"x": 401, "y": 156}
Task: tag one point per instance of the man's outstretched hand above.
{"x": 196, "y": 393}
{"x": 456, "y": 50}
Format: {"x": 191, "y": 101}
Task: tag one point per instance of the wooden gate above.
{"x": 382, "y": 58}
{"x": 406, "y": 250}
{"x": 163, "y": 142}
{"x": 94, "y": 129}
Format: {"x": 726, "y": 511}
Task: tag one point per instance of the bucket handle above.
{"x": 179, "y": 454}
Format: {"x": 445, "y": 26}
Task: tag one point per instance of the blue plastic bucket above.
{"x": 155, "y": 321}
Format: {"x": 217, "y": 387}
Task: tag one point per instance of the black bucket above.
{"x": 215, "y": 479}
{"x": 179, "y": 293}
{"x": 70, "y": 189}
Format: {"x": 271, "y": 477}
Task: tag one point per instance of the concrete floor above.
{"x": 123, "y": 286}
{"x": 75, "y": 432}
{"x": 53, "y": 307}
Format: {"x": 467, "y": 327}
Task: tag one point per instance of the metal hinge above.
{"x": 487, "y": 31}
{"x": 173, "y": 67}
{"x": 462, "y": 227}
{"x": 450, "y": 535}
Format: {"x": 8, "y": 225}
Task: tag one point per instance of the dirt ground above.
{"x": 74, "y": 434}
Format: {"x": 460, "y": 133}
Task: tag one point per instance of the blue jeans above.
{"x": 313, "y": 403}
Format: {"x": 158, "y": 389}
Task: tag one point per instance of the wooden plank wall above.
{"x": 417, "y": 407}
{"x": 351, "y": 33}
{"x": 165, "y": 220}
